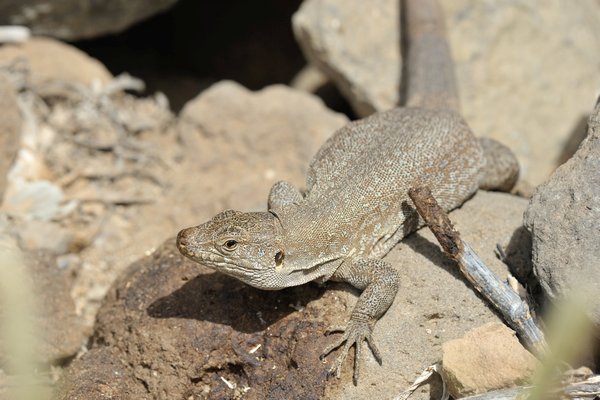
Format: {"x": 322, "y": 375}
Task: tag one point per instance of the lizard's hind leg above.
{"x": 501, "y": 169}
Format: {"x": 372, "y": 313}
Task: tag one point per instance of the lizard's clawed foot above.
{"x": 354, "y": 334}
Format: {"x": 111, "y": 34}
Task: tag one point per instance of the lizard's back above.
{"x": 360, "y": 178}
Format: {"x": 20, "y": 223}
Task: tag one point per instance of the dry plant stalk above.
{"x": 504, "y": 299}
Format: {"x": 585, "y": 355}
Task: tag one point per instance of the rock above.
{"x": 487, "y": 358}
{"x": 564, "y": 220}
{"x": 76, "y": 19}
{"x": 10, "y": 128}
{"x": 101, "y": 375}
{"x": 45, "y": 235}
{"x": 498, "y": 52}
{"x": 364, "y": 63}
{"x": 188, "y": 331}
{"x": 275, "y": 132}
{"x": 51, "y": 59}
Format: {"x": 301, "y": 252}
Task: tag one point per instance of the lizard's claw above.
{"x": 354, "y": 334}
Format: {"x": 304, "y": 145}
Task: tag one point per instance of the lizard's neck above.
{"x": 308, "y": 238}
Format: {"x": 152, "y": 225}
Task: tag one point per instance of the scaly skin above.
{"x": 356, "y": 206}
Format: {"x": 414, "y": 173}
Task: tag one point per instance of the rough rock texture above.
{"x": 50, "y": 59}
{"x": 273, "y": 132}
{"x": 526, "y": 74}
{"x": 78, "y": 19}
{"x": 564, "y": 220}
{"x": 185, "y": 330}
{"x": 10, "y": 130}
{"x": 487, "y": 358}
{"x": 364, "y": 63}
{"x": 107, "y": 377}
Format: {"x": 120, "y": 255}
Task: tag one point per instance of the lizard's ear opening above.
{"x": 279, "y": 256}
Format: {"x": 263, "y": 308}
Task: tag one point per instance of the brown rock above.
{"x": 364, "y": 63}
{"x": 10, "y": 130}
{"x": 243, "y": 142}
{"x": 487, "y": 358}
{"x": 51, "y": 59}
{"x": 187, "y": 331}
{"x": 100, "y": 374}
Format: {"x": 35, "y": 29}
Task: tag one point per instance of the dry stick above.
{"x": 514, "y": 310}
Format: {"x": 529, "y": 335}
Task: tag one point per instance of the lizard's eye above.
{"x": 230, "y": 245}
{"x": 279, "y": 256}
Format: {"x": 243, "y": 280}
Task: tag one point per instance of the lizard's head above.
{"x": 246, "y": 246}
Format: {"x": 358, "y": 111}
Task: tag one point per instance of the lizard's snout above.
{"x": 183, "y": 238}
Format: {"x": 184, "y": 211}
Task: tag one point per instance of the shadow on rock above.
{"x": 220, "y": 299}
{"x": 179, "y": 328}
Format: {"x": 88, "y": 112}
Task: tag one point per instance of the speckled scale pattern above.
{"x": 367, "y": 168}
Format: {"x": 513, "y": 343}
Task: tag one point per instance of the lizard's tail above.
{"x": 428, "y": 75}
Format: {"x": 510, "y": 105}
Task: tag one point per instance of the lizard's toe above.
{"x": 354, "y": 335}
{"x": 335, "y": 329}
{"x": 332, "y": 347}
{"x": 374, "y": 349}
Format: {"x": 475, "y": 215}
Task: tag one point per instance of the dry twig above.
{"x": 514, "y": 310}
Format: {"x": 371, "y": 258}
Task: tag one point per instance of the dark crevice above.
{"x": 196, "y": 43}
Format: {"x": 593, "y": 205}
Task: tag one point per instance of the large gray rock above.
{"x": 525, "y": 73}
{"x": 78, "y": 19}
{"x": 564, "y": 220}
{"x": 182, "y": 330}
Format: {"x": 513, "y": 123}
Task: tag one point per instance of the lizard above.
{"x": 356, "y": 207}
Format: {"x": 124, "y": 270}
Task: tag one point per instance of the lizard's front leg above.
{"x": 379, "y": 282}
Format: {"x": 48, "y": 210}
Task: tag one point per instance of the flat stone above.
{"x": 486, "y": 358}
